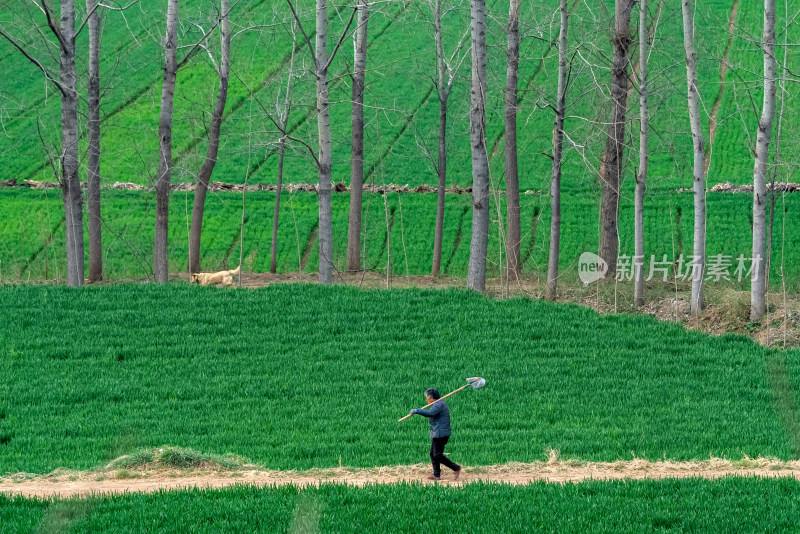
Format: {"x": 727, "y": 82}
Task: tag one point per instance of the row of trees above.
{"x": 612, "y": 157}
{"x": 447, "y": 64}
{"x": 758, "y": 279}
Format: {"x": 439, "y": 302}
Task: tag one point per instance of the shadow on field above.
{"x": 785, "y": 398}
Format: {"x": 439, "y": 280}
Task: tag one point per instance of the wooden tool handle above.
{"x": 434, "y": 402}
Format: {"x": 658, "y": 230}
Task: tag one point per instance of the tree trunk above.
{"x": 273, "y": 261}
{"x": 287, "y": 104}
{"x": 204, "y": 176}
{"x": 357, "y": 151}
{"x": 641, "y": 179}
{"x": 441, "y": 173}
{"x": 93, "y": 174}
{"x": 443, "y": 92}
{"x": 558, "y": 141}
{"x": 615, "y": 144}
{"x": 777, "y": 158}
{"x": 324, "y": 127}
{"x": 758, "y": 286}
{"x": 476, "y": 273}
{"x": 70, "y": 184}
{"x": 160, "y": 268}
{"x": 699, "y": 253}
{"x": 513, "y": 232}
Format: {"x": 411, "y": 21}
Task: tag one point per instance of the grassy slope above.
{"x": 634, "y": 506}
{"x": 294, "y": 377}
{"x": 398, "y": 92}
{"x": 32, "y": 216}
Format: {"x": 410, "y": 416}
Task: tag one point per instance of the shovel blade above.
{"x": 476, "y": 382}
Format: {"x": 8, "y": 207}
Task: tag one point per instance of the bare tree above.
{"x": 758, "y": 286}
{"x": 512, "y": 177}
{"x": 476, "y": 272}
{"x": 446, "y": 70}
{"x": 70, "y": 184}
{"x": 66, "y": 35}
{"x": 615, "y": 143}
{"x": 284, "y": 120}
{"x": 322, "y": 61}
{"x": 641, "y": 178}
{"x": 777, "y": 158}
{"x": 160, "y": 267}
{"x": 324, "y": 128}
{"x": 223, "y": 72}
{"x": 558, "y": 141}
{"x": 93, "y": 175}
{"x": 357, "y": 150}
{"x": 699, "y": 252}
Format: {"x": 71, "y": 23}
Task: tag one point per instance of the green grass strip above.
{"x": 691, "y": 505}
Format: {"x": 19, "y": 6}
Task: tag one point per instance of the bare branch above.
{"x": 256, "y": 27}
{"x": 452, "y": 71}
{"x": 55, "y": 29}
{"x": 199, "y": 44}
{"x": 40, "y": 7}
{"x": 34, "y": 61}
{"x": 273, "y": 121}
{"x": 344, "y": 34}
{"x": 89, "y": 15}
{"x": 424, "y": 148}
{"x": 210, "y": 56}
{"x": 112, "y": 8}
{"x": 303, "y": 31}
{"x": 99, "y": 5}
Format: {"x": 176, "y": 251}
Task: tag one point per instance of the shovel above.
{"x": 475, "y": 382}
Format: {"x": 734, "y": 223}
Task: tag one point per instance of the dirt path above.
{"x": 67, "y": 484}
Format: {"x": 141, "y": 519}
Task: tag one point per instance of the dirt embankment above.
{"x": 340, "y": 187}
{"x": 730, "y": 187}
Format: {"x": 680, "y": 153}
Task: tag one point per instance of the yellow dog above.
{"x": 211, "y": 279}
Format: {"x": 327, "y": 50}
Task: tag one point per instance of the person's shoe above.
{"x": 457, "y": 473}
{"x": 434, "y": 477}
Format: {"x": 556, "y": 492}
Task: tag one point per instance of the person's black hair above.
{"x": 432, "y": 393}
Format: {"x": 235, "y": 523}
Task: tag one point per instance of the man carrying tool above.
{"x": 439, "y": 416}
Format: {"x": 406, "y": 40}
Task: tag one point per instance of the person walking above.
{"x": 439, "y": 416}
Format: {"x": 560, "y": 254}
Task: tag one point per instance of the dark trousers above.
{"x": 438, "y": 457}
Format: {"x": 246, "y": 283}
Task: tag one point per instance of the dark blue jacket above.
{"x": 439, "y": 415}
